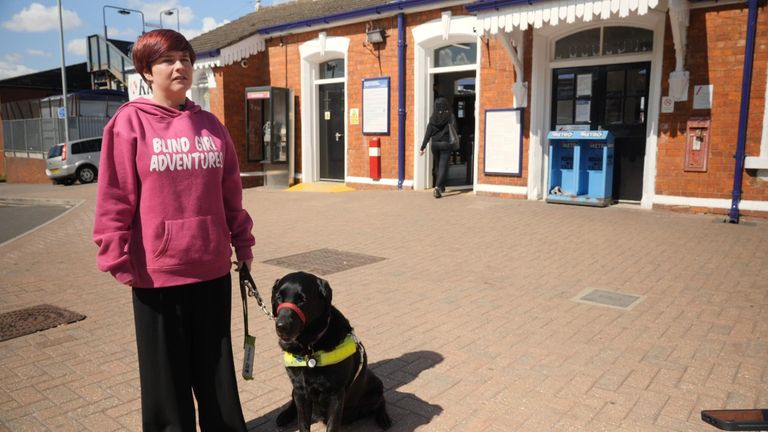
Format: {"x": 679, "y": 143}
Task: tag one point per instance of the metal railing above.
{"x": 104, "y": 56}
{"x": 30, "y": 137}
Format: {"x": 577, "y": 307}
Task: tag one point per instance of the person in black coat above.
{"x": 437, "y": 131}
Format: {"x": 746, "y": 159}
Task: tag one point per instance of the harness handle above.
{"x": 249, "y": 344}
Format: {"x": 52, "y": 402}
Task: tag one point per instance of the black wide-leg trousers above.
{"x": 185, "y": 346}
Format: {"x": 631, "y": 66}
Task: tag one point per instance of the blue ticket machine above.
{"x": 580, "y": 168}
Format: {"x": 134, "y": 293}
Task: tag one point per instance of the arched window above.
{"x": 456, "y": 55}
{"x": 332, "y": 69}
{"x": 604, "y": 41}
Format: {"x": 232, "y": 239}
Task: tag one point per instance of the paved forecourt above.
{"x": 473, "y": 310}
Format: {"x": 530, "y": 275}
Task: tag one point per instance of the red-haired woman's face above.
{"x": 171, "y": 74}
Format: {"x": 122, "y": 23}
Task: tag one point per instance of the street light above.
{"x": 63, "y": 75}
{"x": 121, "y": 11}
{"x": 170, "y": 12}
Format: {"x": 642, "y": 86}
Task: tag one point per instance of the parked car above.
{"x": 73, "y": 161}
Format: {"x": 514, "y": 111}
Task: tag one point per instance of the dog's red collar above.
{"x": 294, "y": 308}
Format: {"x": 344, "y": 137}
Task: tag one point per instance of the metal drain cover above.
{"x": 608, "y": 298}
{"x": 324, "y": 261}
{"x": 34, "y": 319}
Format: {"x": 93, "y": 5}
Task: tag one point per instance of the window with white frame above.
{"x": 456, "y": 55}
{"x": 332, "y": 69}
{"x": 604, "y": 41}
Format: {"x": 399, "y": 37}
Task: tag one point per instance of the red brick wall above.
{"x": 382, "y": 61}
{"x": 25, "y": 170}
{"x": 716, "y": 40}
{"x": 715, "y": 56}
{"x": 278, "y": 66}
{"x": 497, "y": 77}
{"x": 228, "y": 104}
{"x": 282, "y": 68}
{"x": 368, "y": 62}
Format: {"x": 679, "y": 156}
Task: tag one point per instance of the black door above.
{"x": 332, "y": 132}
{"x": 614, "y": 98}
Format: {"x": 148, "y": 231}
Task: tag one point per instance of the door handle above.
{"x": 339, "y": 135}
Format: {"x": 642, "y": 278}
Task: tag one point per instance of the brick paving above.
{"x": 469, "y": 319}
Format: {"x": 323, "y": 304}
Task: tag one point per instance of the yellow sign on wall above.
{"x": 354, "y": 116}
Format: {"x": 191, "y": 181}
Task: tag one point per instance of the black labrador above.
{"x": 327, "y": 366}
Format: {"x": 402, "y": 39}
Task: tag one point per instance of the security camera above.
{"x": 244, "y": 63}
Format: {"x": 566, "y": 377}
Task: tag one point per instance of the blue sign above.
{"x": 62, "y": 112}
{"x": 601, "y": 135}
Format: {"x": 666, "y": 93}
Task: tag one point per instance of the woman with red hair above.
{"x": 168, "y": 214}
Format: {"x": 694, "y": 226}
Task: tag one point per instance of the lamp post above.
{"x": 170, "y": 12}
{"x": 121, "y": 11}
{"x": 63, "y": 75}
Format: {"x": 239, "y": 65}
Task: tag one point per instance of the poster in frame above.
{"x": 375, "y": 115}
{"x": 503, "y": 147}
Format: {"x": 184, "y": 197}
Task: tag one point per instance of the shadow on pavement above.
{"x": 407, "y": 410}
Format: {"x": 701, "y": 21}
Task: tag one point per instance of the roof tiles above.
{"x": 269, "y": 16}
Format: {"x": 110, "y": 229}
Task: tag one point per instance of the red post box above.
{"x": 374, "y": 156}
{"x": 697, "y": 145}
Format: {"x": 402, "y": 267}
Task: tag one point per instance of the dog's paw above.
{"x": 382, "y": 417}
{"x": 287, "y": 415}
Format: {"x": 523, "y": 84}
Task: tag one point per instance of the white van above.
{"x": 75, "y": 160}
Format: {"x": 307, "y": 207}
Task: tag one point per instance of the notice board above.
{"x": 376, "y": 106}
{"x": 503, "y": 142}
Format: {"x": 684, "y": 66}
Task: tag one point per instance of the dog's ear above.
{"x": 275, "y": 289}
{"x": 325, "y": 290}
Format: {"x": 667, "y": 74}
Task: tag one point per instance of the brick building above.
{"x": 665, "y": 78}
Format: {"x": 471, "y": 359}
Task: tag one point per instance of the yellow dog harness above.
{"x": 324, "y": 358}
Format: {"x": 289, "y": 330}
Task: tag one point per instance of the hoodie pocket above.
{"x": 190, "y": 241}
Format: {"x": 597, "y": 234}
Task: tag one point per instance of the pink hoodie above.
{"x": 169, "y": 201}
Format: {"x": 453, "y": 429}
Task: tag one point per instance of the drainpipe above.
{"x": 746, "y": 83}
{"x": 400, "y": 100}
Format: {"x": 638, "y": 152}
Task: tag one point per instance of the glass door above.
{"x": 614, "y": 98}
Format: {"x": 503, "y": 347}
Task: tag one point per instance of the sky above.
{"x": 29, "y": 29}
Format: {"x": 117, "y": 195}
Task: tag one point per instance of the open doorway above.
{"x": 459, "y": 89}
{"x": 608, "y": 97}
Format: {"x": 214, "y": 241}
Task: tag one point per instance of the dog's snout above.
{"x": 286, "y": 326}
{"x": 282, "y": 326}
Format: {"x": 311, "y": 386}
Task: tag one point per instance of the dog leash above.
{"x": 247, "y": 285}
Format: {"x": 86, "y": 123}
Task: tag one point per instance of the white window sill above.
{"x": 755, "y": 162}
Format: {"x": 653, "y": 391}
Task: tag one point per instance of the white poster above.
{"x": 584, "y": 85}
{"x": 376, "y": 106}
{"x": 583, "y": 109}
{"x": 503, "y": 141}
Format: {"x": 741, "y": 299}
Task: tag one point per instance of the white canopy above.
{"x": 552, "y": 12}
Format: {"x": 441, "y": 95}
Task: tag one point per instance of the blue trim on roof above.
{"x": 208, "y": 53}
{"x": 399, "y": 5}
{"x": 484, "y": 5}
